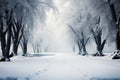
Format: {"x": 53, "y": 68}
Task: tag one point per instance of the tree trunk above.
{"x": 79, "y": 47}
{"x": 3, "y": 39}
{"x": 24, "y": 49}
{"x": 3, "y": 45}
{"x": 113, "y": 13}
{"x": 8, "y": 42}
{"x": 84, "y": 50}
{"x": 15, "y": 48}
{"x": 102, "y": 45}
{"x": 5, "y": 42}
{"x": 118, "y": 39}
{"x": 112, "y": 9}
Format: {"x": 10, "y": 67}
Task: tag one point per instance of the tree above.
{"x": 116, "y": 22}
{"x": 17, "y": 33}
{"x": 81, "y": 40}
{"x": 97, "y": 34}
{"x": 13, "y": 16}
{"x": 36, "y": 48}
{"x": 24, "y": 40}
{"x": 5, "y": 33}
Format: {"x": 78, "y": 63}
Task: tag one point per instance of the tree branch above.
{"x": 73, "y": 31}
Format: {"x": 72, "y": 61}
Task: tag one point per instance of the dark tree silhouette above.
{"x": 24, "y": 40}
{"x": 81, "y": 41}
{"x": 116, "y": 22}
{"x": 5, "y": 33}
{"x": 13, "y": 16}
{"x": 17, "y": 33}
{"x": 97, "y": 34}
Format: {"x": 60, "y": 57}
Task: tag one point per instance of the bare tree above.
{"x": 116, "y": 22}
{"x": 25, "y": 39}
{"x": 36, "y": 48}
{"x": 17, "y": 33}
{"x": 13, "y": 16}
{"x": 5, "y": 33}
{"x": 97, "y": 34}
{"x": 81, "y": 40}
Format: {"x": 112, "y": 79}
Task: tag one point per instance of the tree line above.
{"x": 16, "y": 24}
{"x": 17, "y": 20}
{"x": 95, "y": 30}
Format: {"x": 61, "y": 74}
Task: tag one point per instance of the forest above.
{"x": 98, "y": 24}
{"x": 33, "y": 31}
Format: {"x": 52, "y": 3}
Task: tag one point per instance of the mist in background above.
{"x": 55, "y": 35}
{"x": 50, "y": 30}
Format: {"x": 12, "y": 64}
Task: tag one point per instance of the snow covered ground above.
{"x": 60, "y": 66}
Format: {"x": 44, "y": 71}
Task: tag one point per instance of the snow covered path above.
{"x": 60, "y": 66}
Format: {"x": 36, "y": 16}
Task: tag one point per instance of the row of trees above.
{"x": 17, "y": 20}
{"x": 94, "y": 28}
{"x": 82, "y": 38}
{"x": 16, "y": 23}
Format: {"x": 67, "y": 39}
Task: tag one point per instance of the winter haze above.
{"x": 59, "y": 39}
{"x": 57, "y": 36}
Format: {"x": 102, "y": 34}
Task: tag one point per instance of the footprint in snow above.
{"x": 44, "y": 69}
{"x": 37, "y": 73}
{"x": 27, "y": 78}
{"x": 85, "y": 75}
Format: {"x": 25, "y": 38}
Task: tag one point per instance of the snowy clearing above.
{"x": 60, "y": 66}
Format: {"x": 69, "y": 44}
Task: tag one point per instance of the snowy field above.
{"x": 60, "y": 66}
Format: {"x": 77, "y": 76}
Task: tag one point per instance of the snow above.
{"x": 60, "y": 66}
